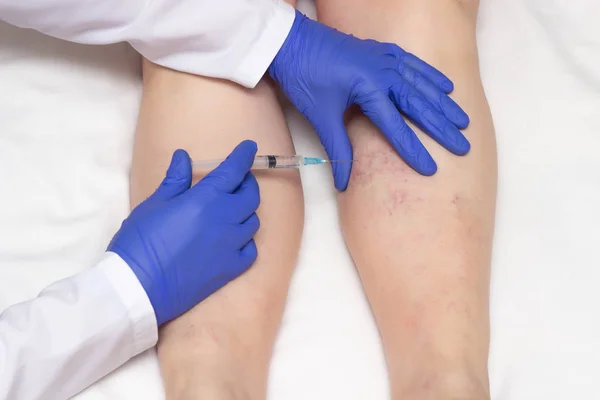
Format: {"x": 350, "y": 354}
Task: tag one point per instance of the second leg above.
{"x": 422, "y": 245}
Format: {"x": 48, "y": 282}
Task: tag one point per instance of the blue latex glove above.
{"x": 324, "y": 71}
{"x": 183, "y": 243}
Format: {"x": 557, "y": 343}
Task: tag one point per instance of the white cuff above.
{"x": 254, "y": 65}
{"x": 135, "y": 300}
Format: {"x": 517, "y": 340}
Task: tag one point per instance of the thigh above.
{"x": 237, "y": 324}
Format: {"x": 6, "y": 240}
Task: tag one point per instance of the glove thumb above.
{"x": 178, "y": 178}
{"x": 336, "y": 142}
{"x": 228, "y": 176}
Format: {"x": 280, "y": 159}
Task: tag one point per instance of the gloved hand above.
{"x": 185, "y": 243}
{"x": 324, "y": 71}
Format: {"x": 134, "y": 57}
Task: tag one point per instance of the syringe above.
{"x": 269, "y": 162}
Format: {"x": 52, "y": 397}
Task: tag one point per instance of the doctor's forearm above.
{"x": 229, "y": 39}
{"x": 75, "y": 332}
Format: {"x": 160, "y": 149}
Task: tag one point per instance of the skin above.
{"x": 422, "y": 245}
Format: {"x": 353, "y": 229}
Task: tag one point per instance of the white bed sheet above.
{"x": 63, "y": 105}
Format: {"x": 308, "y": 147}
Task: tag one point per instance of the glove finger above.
{"x": 434, "y": 75}
{"x": 238, "y": 207}
{"x": 440, "y": 100}
{"x": 245, "y": 231}
{"x": 231, "y": 172}
{"x": 247, "y": 256}
{"x": 388, "y": 120}
{"x": 247, "y": 198}
{"x": 178, "y": 178}
{"x": 337, "y": 145}
{"x": 431, "y": 121}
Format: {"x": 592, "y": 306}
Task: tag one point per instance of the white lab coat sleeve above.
{"x": 75, "y": 332}
{"x": 228, "y": 39}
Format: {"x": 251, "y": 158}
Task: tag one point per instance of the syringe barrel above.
{"x": 260, "y": 162}
{"x": 272, "y": 161}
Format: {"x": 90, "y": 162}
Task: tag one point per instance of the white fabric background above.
{"x": 67, "y": 114}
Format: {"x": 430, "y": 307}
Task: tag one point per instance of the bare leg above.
{"x": 221, "y": 349}
{"x": 422, "y": 245}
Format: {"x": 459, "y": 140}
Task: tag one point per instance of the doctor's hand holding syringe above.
{"x": 176, "y": 248}
{"x": 185, "y": 242}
